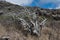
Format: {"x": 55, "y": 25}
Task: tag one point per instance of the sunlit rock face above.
{"x": 28, "y": 23}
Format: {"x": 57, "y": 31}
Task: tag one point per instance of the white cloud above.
{"x": 21, "y": 2}
{"x": 58, "y": 7}
{"x": 50, "y": 8}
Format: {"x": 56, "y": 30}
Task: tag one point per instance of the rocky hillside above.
{"x": 28, "y": 23}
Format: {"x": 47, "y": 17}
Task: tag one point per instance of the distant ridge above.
{"x": 2, "y": 0}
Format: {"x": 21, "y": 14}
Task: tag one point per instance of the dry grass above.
{"x": 17, "y": 35}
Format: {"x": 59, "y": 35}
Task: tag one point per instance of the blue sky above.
{"x": 51, "y": 4}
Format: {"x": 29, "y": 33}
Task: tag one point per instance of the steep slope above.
{"x": 28, "y": 23}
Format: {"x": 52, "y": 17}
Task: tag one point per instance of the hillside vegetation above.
{"x": 28, "y": 23}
